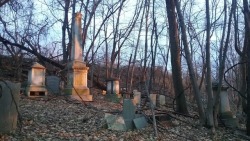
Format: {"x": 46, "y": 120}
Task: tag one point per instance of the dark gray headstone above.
{"x": 53, "y": 84}
{"x": 128, "y": 113}
{"x": 8, "y": 106}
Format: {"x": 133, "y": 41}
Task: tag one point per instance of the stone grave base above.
{"x": 229, "y": 120}
{"x": 76, "y": 93}
{"x": 113, "y": 98}
{"x": 36, "y": 91}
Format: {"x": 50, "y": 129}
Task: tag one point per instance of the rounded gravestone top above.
{"x": 37, "y": 65}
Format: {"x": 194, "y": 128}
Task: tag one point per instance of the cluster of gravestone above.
{"x": 38, "y": 85}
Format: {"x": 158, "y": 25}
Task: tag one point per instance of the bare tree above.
{"x": 181, "y": 105}
{"x": 192, "y": 76}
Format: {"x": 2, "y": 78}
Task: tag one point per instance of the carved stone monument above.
{"x": 77, "y": 70}
{"x": 36, "y": 81}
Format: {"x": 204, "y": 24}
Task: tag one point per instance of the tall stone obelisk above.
{"x": 77, "y": 71}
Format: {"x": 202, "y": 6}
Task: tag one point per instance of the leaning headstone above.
{"x": 53, "y": 84}
{"x": 128, "y": 112}
{"x": 8, "y": 106}
{"x": 36, "y": 81}
{"x": 115, "y": 122}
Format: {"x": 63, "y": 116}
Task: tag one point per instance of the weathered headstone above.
{"x": 53, "y": 84}
{"x": 137, "y": 98}
{"x": 153, "y": 98}
{"x": 113, "y": 90}
{"x": 77, "y": 70}
{"x": 162, "y": 99}
{"x": 8, "y": 105}
{"x": 36, "y": 81}
{"x": 225, "y": 112}
{"x": 128, "y": 112}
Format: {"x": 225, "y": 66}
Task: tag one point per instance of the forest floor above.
{"x": 59, "y": 118}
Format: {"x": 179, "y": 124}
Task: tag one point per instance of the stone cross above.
{"x": 76, "y": 50}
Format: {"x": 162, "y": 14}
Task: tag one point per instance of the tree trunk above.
{"x": 181, "y": 105}
{"x": 247, "y": 30}
{"x": 195, "y": 86}
{"x": 210, "y": 121}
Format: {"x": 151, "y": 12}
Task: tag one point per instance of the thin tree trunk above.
{"x": 197, "y": 92}
{"x": 210, "y": 121}
{"x": 222, "y": 59}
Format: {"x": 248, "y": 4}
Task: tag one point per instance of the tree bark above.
{"x": 210, "y": 121}
{"x": 181, "y": 105}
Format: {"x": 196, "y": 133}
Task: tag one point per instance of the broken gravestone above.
{"x": 128, "y": 120}
{"x": 115, "y": 122}
{"x": 9, "y": 99}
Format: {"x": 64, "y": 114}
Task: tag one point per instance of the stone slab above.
{"x": 115, "y": 122}
{"x": 137, "y": 98}
{"x": 128, "y": 111}
{"x": 36, "y": 91}
{"x": 76, "y": 93}
{"x": 53, "y": 84}
{"x": 140, "y": 122}
{"x": 153, "y": 98}
{"x": 162, "y": 100}
{"x": 8, "y": 111}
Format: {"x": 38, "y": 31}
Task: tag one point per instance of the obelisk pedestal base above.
{"x": 79, "y": 94}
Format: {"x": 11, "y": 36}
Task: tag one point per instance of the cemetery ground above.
{"x": 60, "y": 118}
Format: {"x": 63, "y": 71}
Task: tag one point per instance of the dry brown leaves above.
{"x": 58, "y": 118}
